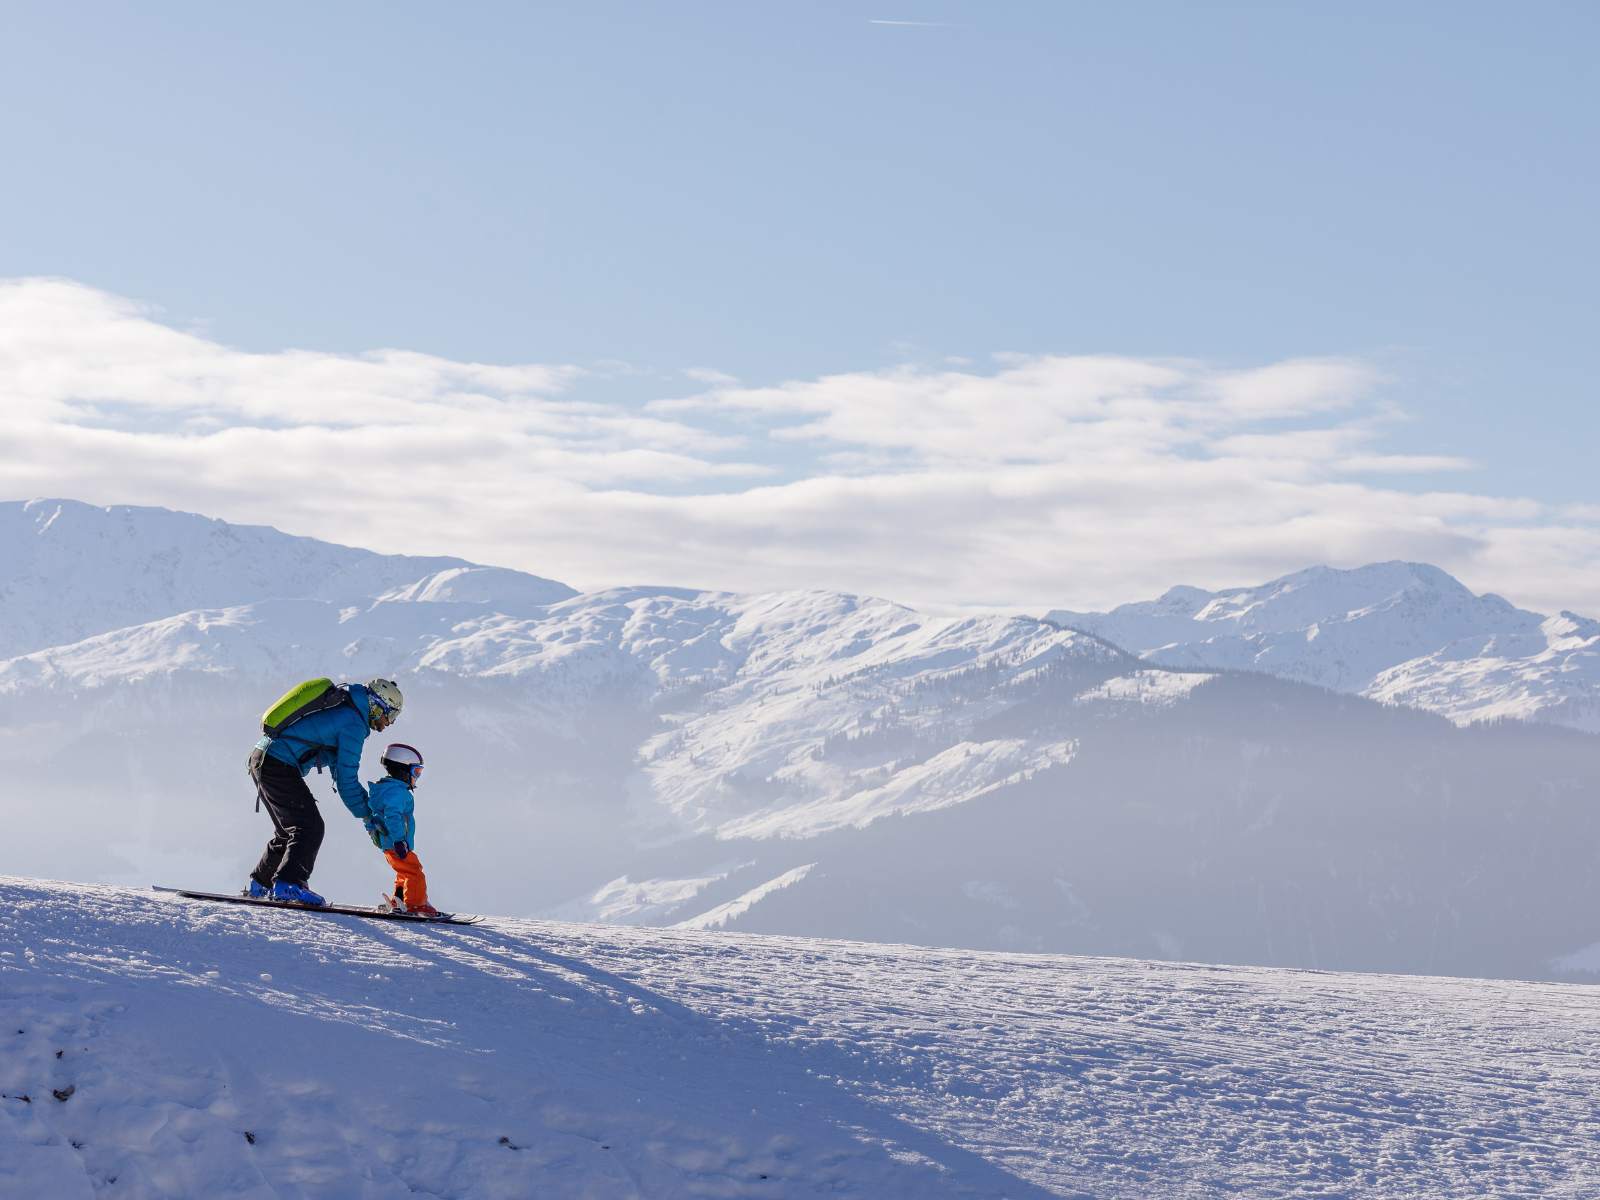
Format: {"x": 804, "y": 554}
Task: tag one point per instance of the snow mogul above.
{"x": 317, "y": 724}
{"x": 392, "y": 826}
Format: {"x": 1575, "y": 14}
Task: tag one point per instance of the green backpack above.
{"x": 312, "y": 696}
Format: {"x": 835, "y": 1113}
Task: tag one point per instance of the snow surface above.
{"x": 1552, "y": 676}
{"x": 719, "y": 916}
{"x": 203, "y": 1051}
{"x": 1404, "y": 633}
{"x": 641, "y": 902}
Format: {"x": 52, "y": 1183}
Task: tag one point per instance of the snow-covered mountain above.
{"x": 70, "y": 570}
{"x": 1400, "y": 632}
{"x": 751, "y": 762}
{"x": 156, "y": 1047}
{"x": 819, "y": 764}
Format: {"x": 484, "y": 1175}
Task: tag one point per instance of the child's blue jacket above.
{"x": 391, "y": 803}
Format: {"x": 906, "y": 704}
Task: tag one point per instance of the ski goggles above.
{"x": 388, "y": 712}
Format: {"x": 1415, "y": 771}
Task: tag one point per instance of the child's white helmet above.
{"x": 402, "y": 755}
{"x": 403, "y": 762}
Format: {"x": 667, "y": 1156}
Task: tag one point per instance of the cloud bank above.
{"x": 1053, "y": 481}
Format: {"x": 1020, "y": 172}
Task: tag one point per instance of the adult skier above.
{"x": 326, "y": 729}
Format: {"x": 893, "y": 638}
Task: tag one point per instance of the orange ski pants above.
{"x": 410, "y": 884}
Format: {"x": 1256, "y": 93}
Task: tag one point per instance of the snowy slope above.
{"x": 1551, "y": 676}
{"x": 70, "y": 570}
{"x": 1401, "y": 632}
{"x": 205, "y": 1051}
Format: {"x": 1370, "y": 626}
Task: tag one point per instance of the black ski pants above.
{"x": 296, "y": 823}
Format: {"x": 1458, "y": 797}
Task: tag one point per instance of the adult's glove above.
{"x": 375, "y": 830}
{"x": 401, "y": 850}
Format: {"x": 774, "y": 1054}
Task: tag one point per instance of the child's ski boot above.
{"x": 397, "y": 904}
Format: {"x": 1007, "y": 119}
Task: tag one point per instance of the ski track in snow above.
{"x": 207, "y": 1050}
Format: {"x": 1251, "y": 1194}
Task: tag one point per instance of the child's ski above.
{"x": 348, "y": 910}
{"x": 388, "y": 904}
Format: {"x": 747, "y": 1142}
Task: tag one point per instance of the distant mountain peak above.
{"x": 1394, "y": 630}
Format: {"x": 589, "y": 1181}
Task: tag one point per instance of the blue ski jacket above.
{"x": 345, "y": 729}
{"x": 392, "y": 817}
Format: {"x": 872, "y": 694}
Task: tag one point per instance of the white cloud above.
{"x": 1052, "y": 481}
{"x": 709, "y": 375}
{"x": 1291, "y": 388}
{"x": 1404, "y": 463}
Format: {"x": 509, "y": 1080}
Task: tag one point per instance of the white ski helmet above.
{"x": 383, "y": 700}
{"x": 402, "y": 761}
{"x": 402, "y": 755}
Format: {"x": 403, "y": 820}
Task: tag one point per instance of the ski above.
{"x": 346, "y": 910}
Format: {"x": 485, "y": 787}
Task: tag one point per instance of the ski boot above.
{"x": 294, "y": 892}
{"x": 421, "y": 910}
{"x": 255, "y": 891}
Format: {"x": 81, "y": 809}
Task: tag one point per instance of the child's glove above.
{"x": 401, "y": 850}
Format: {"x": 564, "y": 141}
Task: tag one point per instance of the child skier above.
{"x": 393, "y": 828}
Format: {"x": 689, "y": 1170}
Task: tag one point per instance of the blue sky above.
{"x": 781, "y": 193}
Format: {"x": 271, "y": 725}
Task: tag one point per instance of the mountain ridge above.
{"x": 1405, "y": 633}
{"x": 70, "y": 570}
